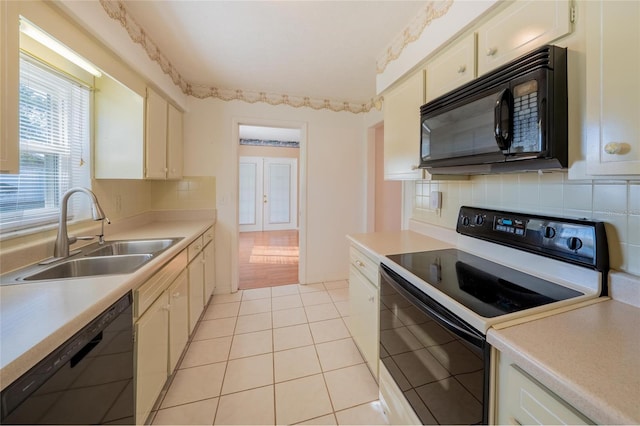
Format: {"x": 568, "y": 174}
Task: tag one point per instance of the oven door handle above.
{"x": 474, "y": 338}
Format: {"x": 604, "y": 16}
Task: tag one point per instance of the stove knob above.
{"x": 549, "y": 232}
{"x": 574, "y": 243}
{"x": 478, "y": 220}
{"x": 465, "y": 220}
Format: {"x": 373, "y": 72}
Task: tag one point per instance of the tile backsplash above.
{"x": 190, "y": 193}
{"x": 616, "y": 202}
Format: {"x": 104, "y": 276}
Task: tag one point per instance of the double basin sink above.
{"x": 111, "y": 257}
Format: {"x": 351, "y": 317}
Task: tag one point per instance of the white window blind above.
{"x": 54, "y": 149}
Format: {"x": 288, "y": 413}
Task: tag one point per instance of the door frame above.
{"x": 302, "y": 191}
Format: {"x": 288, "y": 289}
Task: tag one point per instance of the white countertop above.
{"x": 380, "y": 244}
{"x": 588, "y": 356}
{"x": 35, "y": 318}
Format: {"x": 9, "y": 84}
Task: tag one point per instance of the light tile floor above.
{"x": 279, "y": 355}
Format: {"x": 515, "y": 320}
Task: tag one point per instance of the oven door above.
{"x": 439, "y": 363}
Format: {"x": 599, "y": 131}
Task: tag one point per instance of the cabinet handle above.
{"x": 613, "y": 148}
{"x": 209, "y": 235}
{"x": 491, "y": 51}
{"x": 166, "y": 170}
{"x": 462, "y": 69}
{"x": 360, "y": 264}
{"x": 198, "y": 247}
{"x": 176, "y": 294}
{"x": 371, "y": 298}
{"x": 167, "y": 307}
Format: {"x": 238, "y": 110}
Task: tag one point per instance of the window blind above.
{"x": 54, "y": 149}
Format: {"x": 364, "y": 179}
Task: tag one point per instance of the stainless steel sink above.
{"x": 111, "y": 257}
{"x": 117, "y": 248}
{"x": 91, "y": 266}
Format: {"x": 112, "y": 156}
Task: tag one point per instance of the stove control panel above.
{"x": 578, "y": 241}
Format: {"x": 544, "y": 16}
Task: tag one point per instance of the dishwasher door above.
{"x": 87, "y": 380}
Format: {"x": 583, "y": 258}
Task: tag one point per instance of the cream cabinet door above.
{"x": 196, "y": 290}
{"x": 523, "y": 26}
{"x": 453, "y": 68}
{"x": 613, "y": 87}
{"x": 523, "y": 400}
{"x": 178, "y": 318}
{"x": 402, "y": 129}
{"x": 364, "y": 313}
{"x": 9, "y": 87}
{"x": 209, "y": 271}
{"x": 151, "y": 357}
{"x": 119, "y": 121}
{"x": 156, "y": 136}
{"x": 174, "y": 143}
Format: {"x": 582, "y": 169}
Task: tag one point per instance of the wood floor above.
{"x": 268, "y": 259}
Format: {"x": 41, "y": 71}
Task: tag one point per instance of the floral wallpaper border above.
{"x": 118, "y": 11}
{"x": 433, "y": 10}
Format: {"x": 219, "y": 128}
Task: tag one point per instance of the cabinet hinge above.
{"x": 572, "y": 14}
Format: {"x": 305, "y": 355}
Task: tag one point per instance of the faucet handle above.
{"x": 101, "y": 235}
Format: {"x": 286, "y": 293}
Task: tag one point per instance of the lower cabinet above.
{"x": 178, "y": 318}
{"x": 523, "y": 400}
{"x": 196, "y": 290}
{"x": 151, "y": 355}
{"x": 209, "y": 271}
{"x": 364, "y": 307}
{"x": 166, "y": 309}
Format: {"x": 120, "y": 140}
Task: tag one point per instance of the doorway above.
{"x": 268, "y": 206}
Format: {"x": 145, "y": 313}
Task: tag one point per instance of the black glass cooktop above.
{"x": 485, "y": 287}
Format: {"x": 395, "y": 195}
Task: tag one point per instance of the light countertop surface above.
{"x": 588, "y": 356}
{"x": 380, "y": 244}
{"x": 37, "y": 317}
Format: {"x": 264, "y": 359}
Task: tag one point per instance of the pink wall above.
{"x": 388, "y": 194}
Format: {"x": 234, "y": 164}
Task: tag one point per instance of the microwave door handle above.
{"x": 503, "y": 123}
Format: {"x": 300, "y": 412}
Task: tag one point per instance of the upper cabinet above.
{"x": 613, "y": 88}
{"x": 119, "y": 131}
{"x": 520, "y": 28}
{"x": 402, "y": 129}
{"x": 453, "y": 68}
{"x": 156, "y": 136}
{"x": 136, "y": 138}
{"x": 9, "y": 84}
{"x": 174, "y": 143}
{"x": 163, "y": 138}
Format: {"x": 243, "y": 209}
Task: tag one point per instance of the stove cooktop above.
{"x": 487, "y": 288}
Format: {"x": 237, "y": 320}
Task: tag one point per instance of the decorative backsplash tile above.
{"x": 190, "y": 193}
{"x": 615, "y": 202}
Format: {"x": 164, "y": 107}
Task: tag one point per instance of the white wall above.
{"x": 335, "y": 178}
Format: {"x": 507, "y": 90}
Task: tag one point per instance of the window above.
{"x": 54, "y": 149}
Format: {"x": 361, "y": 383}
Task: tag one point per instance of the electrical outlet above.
{"x": 435, "y": 200}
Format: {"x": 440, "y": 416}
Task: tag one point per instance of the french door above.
{"x": 268, "y": 194}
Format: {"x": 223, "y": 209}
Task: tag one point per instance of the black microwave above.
{"x": 513, "y": 119}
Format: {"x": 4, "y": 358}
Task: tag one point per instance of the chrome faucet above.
{"x": 63, "y": 240}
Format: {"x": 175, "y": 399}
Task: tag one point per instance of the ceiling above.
{"x": 320, "y": 49}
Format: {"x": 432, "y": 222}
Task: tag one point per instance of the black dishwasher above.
{"x": 86, "y": 380}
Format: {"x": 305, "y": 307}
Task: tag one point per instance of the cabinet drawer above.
{"x": 529, "y": 402}
{"x": 195, "y": 247}
{"x": 364, "y": 264}
{"x": 207, "y": 237}
{"x": 153, "y": 288}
